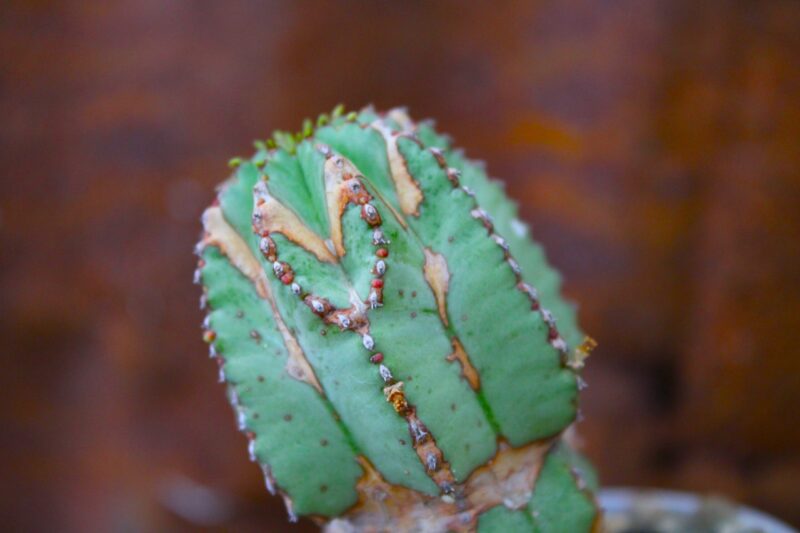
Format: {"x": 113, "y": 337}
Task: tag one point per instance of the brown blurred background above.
{"x": 654, "y": 146}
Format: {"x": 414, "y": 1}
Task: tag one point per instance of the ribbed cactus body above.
{"x": 395, "y": 345}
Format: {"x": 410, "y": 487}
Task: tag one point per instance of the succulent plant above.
{"x": 394, "y": 344}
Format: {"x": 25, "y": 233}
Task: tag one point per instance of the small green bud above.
{"x": 308, "y": 128}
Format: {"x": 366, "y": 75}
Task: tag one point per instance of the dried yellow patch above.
{"x": 271, "y": 216}
{"x": 222, "y": 235}
{"x": 408, "y": 192}
{"x": 438, "y": 277}
{"x": 336, "y": 199}
{"x": 467, "y": 370}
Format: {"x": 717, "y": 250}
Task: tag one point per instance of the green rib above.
{"x": 279, "y": 410}
{"x": 529, "y": 254}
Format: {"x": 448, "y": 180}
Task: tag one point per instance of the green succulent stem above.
{"x": 395, "y": 345}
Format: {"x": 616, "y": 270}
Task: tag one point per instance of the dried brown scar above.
{"x": 408, "y": 191}
{"x": 467, "y": 370}
{"x": 334, "y": 171}
{"x": 508, "y": 479}
{"x": 222, "y": 235}
{"x": 582, "y": 352}
{"x": 424, "y": 444}
{"x": 271, "y": 216}
{"x": 438, "y": 277}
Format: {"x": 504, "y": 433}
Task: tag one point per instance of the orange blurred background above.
{"x": 654, "y": 146}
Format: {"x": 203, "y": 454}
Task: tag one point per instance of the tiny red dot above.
{"x": 377, "y": 283}
{"x": 287, "y": 278}
{"x": 382, "y": 252}
{"x": 376, "y": 358}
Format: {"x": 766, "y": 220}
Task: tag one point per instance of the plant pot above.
{"x": 629, "y": 510}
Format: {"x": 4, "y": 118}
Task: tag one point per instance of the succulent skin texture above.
{"x": 395, "y": 346}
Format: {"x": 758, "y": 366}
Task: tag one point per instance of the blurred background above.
{"x": 653, "y": 145}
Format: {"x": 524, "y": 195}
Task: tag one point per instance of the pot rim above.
{"x": 620, "y": 500}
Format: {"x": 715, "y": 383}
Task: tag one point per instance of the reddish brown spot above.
{"x": 209, "y": 336}
{"x": 382, "y": 252}
{"x": 413, "y": 314}
{"x": 239, "y": 313}
{"x": 260, "y": 379}
{"x": 319, "y": 306}
{"x": 552, "y": 333}
{"x": 376, "y": 358}
{"x": 323, "y": 442}
{"x": 374, "y": 219}
{"x": 451, "y": 239}
{"x": 413, "y": 294}
{"x": 402, "y": 442}
{"x": 256, "y": 336}
{"x": 250, "y": 435}
{"x": 401, "y": 293}
{"x": 287, "y": 278}
{"x": 287, "y": 417}
{"x": 452, "y": 176}
{"x": 215, "y": 201}
{"x": 453, "y": 407}
{"x": 377, "y": 283}
{"x": 260, "y": 201}
{"x": 323, "y": 488}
